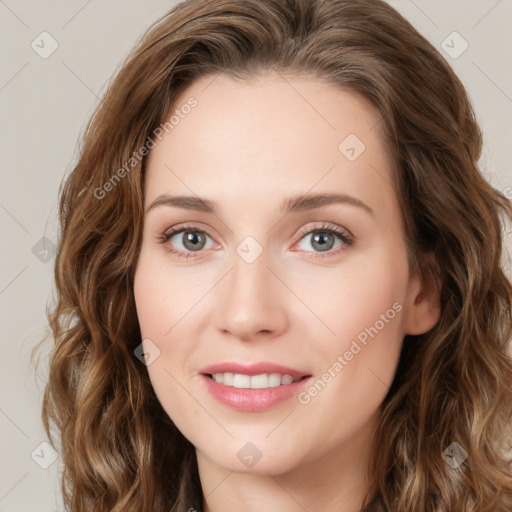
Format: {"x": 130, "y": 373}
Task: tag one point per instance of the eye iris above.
{"x": 319, "y": 241}
{"x": 193, "y": 240}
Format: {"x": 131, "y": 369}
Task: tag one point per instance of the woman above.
{"x": 279, "y": 281}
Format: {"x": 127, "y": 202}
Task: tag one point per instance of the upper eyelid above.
{"x": 302, "y": 231}
{"x": 187, "y": 227}
{"x": 325, "y": 226}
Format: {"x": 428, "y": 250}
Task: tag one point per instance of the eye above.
{"x": 325, "y": 239}
{"x": 185, "y": 240}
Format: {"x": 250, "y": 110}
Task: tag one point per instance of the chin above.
{"x": 253, "y": 457}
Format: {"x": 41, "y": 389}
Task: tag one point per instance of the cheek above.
{"x": 359, "y": 359}
{"x": 362, "y": 299}
{"x": 166, "y": 295}
{"x": 166, "y": 301}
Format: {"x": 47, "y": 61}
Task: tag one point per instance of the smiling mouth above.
{"x": 260, "y": 381}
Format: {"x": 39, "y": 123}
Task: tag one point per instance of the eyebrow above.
{"x": 293, "y": 204}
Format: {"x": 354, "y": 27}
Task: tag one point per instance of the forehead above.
{"x": 267, "y": 133}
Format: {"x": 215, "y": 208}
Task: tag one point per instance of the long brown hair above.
{"x": 120, "y": 450}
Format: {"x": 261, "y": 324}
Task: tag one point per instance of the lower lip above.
{"x": 253, "y": 400}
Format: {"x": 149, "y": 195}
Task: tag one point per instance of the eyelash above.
{"x": 344, "y": 236}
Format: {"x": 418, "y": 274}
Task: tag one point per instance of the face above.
{"x": 272, "y": 287}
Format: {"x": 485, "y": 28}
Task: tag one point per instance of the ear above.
{"x": 422, "y": 304}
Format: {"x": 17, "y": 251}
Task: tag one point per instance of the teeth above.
{"x": 262, "y": 381}
{"x": 287, "y": 379}
{"x": 274, "y": 379}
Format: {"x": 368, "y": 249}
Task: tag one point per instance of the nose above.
{"x": 251, "y": 303}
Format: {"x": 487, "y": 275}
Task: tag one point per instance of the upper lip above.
{"x": 252, "y": 369}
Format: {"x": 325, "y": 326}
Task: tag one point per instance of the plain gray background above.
{"x": 44, "y": 105}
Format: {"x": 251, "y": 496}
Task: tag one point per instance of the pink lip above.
{"x": 252, "y": 400}
{"x": 251, "y": 369}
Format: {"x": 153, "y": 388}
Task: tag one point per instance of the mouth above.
{"x": 253, "y": 387}
{"x": 253, "y": 393}
{"x": 259, "y": 381}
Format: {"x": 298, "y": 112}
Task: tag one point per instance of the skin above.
{"x": 248, "y": 146}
